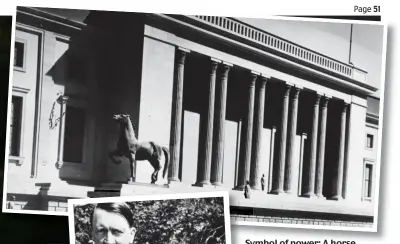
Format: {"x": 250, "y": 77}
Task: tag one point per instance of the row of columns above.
{"x": 315, "y": 180}
{"x": 213, "y": 157}
{"x": 210, "y": 171}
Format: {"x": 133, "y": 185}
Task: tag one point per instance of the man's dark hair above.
{"x": 120, "y": 208}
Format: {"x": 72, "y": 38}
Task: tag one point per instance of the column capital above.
{"x": 253, "y": 79}
{"x": 181, "y": 57}
{"x": 183, "y": 50}
{"x": 289, "y": 84}
{"x": 264, "y": 76}
{"x": 296, "y": 92}
{"x": 214, "y": 66}
{"x": 214, "y": 60}
{"x": 345, "y": 105}
{"x": 225, "y": 71}
{"x": 227, "y": 64}
{"x": 317, "y": 98}
{"x": 287, "y": 90}
{"x": 304, "y": 135}
{"x": 325, "y": 102}
{"x": 262, "y": 82}
{"x": 255, "y": 73}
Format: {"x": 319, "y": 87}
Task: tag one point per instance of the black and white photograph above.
{"x": 285, "y": 113}
{"x": 201, "y": 218}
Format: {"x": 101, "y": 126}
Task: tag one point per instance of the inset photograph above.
{"x": 201, "y": 218}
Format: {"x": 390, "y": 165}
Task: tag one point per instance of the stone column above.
{"x": 244, "y": 164}
{"x": 271, "y": 158}
{"x": 300, "y": 183}
{"x": 282, "y": 149}
{"x": 176, "y": 119}
{"x": 203, "y": 169}
{"x": 62, "y": 100}
{"x": 219, "y": 137}
{"x": 339, "y": 181}
{"x": 255, "y": 176}
{"x": 313, "y": 153}
{"x": 238, "y": 134}
{"x": 321, "y": 153}
{"x": 292, "y": 139}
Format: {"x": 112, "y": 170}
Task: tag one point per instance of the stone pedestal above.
{"x": 98, "y": 194}
{"x": 131, "y": 189}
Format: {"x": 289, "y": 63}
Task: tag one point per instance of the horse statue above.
{"x": 128, "y": 146}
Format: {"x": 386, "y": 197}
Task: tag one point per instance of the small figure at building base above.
{"x": 247, "y": 190}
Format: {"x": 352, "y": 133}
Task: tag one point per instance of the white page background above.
{"x": 389, "y": 202}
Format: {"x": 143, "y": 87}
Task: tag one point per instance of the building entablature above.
{"x": 271, "y": 49}
{"x": 43, "y": 20}
{"x": 323, "y": 70}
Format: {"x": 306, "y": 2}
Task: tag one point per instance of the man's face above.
{"x": 111, "y": 228}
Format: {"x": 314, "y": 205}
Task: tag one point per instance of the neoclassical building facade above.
{"x": 232, "y": 102}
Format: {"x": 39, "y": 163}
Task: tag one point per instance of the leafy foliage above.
{"x": 183, "y": 221}
{"x": 82, "y": 223}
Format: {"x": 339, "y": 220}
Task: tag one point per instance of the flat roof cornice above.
{"x": 337, "y": 79}
{"x": 40, "y": 19}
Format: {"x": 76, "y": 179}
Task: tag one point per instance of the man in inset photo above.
{"x": 112, "y": 223}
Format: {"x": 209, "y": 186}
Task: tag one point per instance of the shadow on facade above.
{"x": 102, "y": 69}
{"x": 41, "y": 201}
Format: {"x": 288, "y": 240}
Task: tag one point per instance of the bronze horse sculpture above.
{"x": 128, "y": 146}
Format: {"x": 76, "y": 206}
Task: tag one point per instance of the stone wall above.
{"x": 303, "y": 221}
{"x": 37, "y": 202}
